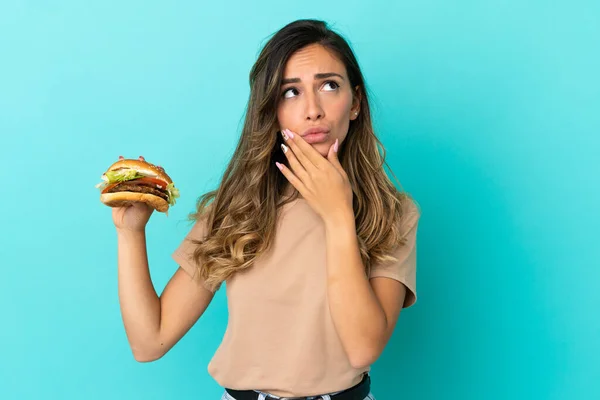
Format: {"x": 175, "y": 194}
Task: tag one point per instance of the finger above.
{"x": 293, "y": 143}
{"x": 303, "y": 151}
{"x": 332, "y": 156}
{"x": 289, "y": 175}
{"x": 296, "y": 167}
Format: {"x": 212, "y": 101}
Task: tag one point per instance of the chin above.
{"x": 322, "y": 148}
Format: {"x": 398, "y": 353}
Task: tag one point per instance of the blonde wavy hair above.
{"x": 240, "y": 216}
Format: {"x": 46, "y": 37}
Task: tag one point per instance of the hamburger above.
{"x": 131, "y": 180}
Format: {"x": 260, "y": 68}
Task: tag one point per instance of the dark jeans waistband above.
{"x": 358, "y": 392}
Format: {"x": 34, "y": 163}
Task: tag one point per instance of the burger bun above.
{"x": 123, "y": 199}
{"x": 143, "y": 167}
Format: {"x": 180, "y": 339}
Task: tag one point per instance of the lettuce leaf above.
{"x": 102, "y": 185}
{"x": 173, "y": 193}
{"x": 122, "y": 175}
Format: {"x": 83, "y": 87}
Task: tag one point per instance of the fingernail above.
{"x": 335, "y": 146}
{"x": 284, "y": 134}
{"x": 284, "y": 148}
{"x": 290, "y": 134}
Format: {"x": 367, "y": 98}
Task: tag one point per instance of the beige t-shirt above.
{"x": 280, "y": 336}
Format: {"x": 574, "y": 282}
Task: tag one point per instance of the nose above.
{"x": 314, "y": 111}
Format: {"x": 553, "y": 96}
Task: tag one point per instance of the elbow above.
{"x": 146, "y": 357}
{"x": 143, "y": 359}
{"x": 360, "y": 362}
{"x": 366, "y": 351}
{"x": 363, "y": 357}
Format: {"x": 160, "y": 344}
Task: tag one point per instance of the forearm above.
{"x": 140, "y": 305}
{"x": 357, "y": 315}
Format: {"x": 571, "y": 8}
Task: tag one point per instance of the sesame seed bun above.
{"x": 143, "y": 167}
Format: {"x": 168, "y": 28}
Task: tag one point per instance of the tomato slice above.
{"x": 147, "y": 180}
{"x": 153, "y": 181}
{"x": 110, "y": 186}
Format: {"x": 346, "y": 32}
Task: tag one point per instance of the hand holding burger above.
{"x": 129, "y": 180}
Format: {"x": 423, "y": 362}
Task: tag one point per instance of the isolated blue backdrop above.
{"x": 489, "y": 111}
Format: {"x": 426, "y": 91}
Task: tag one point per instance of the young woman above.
{"x": 317, "y": 247}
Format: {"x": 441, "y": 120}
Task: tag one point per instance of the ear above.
{"x": 356, "y": 100}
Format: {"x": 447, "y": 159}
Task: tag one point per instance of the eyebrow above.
{"x": 317, "y": 76}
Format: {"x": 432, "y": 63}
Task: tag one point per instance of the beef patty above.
{"x": 131, "y": 186}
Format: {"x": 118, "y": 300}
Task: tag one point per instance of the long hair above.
{"x": 241, "y": 220}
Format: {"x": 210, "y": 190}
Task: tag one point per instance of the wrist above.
{"x": 130, "y": 233}
{"x": 342, "y": 219}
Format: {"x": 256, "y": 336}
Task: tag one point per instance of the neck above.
{"x": 290, "y": 190}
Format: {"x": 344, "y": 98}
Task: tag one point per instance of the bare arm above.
{"x": 154, "y": 324}
{"x": 364, "y": 311}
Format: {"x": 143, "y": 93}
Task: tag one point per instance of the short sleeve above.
{"x": 405, "y": 269}
{"x": 183, "y": 255}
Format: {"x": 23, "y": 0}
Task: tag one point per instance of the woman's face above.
{"x": 316, "y": 93}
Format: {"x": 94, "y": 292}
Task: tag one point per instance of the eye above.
{"x": 333, "y": 83}
{"x": 292, "y": 91}
{"x": 285, "y": 92}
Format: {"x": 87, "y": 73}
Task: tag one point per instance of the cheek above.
{"x": 341, "y": 107}
{"x": 342, "y": 116}
{"x": 289, "y": 116}
{"x": 281, "y": 116}
{"x": 285, "y": 114}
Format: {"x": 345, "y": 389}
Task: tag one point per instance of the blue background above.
{"x": 489, "y": 111}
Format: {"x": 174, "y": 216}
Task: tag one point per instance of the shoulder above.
{"x": 199, "y": 221}
{"x": 411, "y": 213}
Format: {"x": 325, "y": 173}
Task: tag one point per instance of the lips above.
{"x": 317, "y": 134}
{"x": 316, "y": 137}
{"x": 315, "y": 130}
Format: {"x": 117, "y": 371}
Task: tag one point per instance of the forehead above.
{"x": 310, "y": 60}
